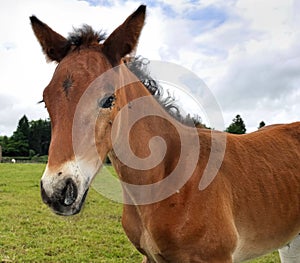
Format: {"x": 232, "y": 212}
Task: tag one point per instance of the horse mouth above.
{"x": 64, "y": 209}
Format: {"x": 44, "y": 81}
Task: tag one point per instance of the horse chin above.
{"x": 72, "y": 209}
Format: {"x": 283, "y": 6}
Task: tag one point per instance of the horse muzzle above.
{"x": 64, "y": 199}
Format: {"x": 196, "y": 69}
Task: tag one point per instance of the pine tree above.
{"x": 237, "y": 126}
{"x": 29, "y": 139}
{"x": 20, "y": 138}
{"x": 39, "y": 137}
{"x": 261, "y": 124}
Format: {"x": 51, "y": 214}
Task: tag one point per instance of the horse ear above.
{"x": 53, "y": 44}
{"x": 123, "y": 40}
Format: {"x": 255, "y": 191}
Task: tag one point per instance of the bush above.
{"x": 20, "y": 159}
{"x": 40, "y": 159}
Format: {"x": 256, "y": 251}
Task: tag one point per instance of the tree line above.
{"x": 31, "y": 138}
{"x": 238, "y": 125}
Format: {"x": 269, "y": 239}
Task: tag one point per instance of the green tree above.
{"x": 19, "y": 142}
{"x": 261, "y": 124}
{"x": 39, "y": 136}
{"x": 1, "y": 140}
{"x": 237, "y": 126}
{"x": 29, "y": 139}
{"x": 4, "y": 142}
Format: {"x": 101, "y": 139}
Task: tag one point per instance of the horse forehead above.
{"x": 80, "y": 67}
{"x": 72, "y": 77}
{"x": 88, "y": 59}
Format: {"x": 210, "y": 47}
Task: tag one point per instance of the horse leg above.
{"x": 291, "y": 252}
{"x": 147, "y": 260}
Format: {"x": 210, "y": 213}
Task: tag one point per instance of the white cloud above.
{"x": 261, "y": 77}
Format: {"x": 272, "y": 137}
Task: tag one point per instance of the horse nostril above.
{"x": 69, "y": 193}
{"x": 45, "y": 197}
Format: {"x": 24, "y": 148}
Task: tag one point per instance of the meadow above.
{"x": 30, "y": 232}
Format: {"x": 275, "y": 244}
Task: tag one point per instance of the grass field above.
{"x": 30, "y": 232}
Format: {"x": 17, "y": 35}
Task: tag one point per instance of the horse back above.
{"x": 263, "y": 171}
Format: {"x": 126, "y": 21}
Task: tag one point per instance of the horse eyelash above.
{"x": 42, "y": 101}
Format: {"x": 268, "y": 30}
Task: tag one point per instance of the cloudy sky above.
{"x": 246, "y": 51}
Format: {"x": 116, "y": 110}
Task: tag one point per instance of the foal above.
{"x": 251, "y": 206}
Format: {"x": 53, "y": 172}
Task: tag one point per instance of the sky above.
{"x": 246, "y": 51}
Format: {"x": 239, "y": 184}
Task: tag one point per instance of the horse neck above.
{"x": 147, "y": 158}
{"x": 149, "y": 145}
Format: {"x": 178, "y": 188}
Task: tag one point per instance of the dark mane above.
{"x": 139, "y": 66}
{"x": 85, "y": 36}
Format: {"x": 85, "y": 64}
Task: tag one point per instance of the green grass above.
{"x": 30, "y": 232}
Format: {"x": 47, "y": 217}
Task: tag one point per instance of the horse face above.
{"x": 70, "y": 170}
{"x": 80, "y": 105}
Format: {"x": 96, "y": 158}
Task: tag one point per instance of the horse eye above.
{"x": 106, "y": 101}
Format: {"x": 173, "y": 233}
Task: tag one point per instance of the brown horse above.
{"x": 251, "y": 206}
